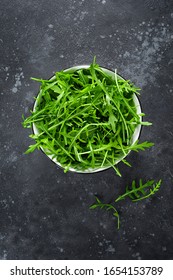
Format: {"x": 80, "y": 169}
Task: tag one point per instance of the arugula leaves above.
{"x": 86, "y": 119}
{"x": 135, "y": 193}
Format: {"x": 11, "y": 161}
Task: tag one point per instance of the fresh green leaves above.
{"x": 86, "y": 119}
{"x": 135, "y": 193}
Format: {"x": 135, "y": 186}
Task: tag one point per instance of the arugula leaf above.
{"x": 126, "y": 162}
{"x": 107, "y": 207}
{"x": 32, "y": 148}
{"x": 141, "y": 146}
{"x": 143, "y": 191}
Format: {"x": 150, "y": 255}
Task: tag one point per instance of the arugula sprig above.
{"x": 108, "y": 207}
{"x": 135, "y": 193}
{"x": 140, "y": 192}
{"x": 86, "y": 119}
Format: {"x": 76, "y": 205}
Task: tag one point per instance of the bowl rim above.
{"x": 135, "y": 137}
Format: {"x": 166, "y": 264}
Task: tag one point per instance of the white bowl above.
{"x": 134, "y": 137}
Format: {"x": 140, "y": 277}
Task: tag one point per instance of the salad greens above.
{"x": 86, "y": 119}
{"x": 135, "y": 193}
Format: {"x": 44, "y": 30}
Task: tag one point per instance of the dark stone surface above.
{"x": 43, "y": 212}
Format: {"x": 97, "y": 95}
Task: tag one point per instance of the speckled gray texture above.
{"x": 44, "y": 213}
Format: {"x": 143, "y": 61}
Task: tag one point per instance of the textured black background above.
{"x": 44, "y": 213}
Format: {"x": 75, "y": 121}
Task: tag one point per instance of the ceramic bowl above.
{"x": 134, "y": 137}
